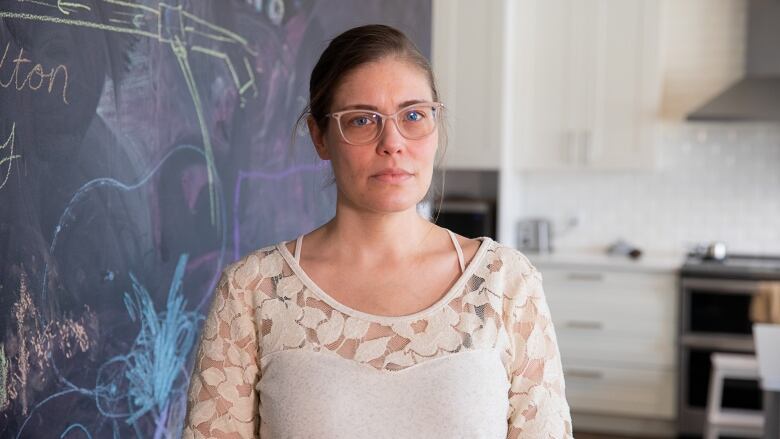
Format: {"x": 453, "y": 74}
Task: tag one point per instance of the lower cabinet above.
{"x": 596, "y": 388}
{"x": 616, "y": 331}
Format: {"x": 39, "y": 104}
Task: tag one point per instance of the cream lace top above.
{"x": 280, "y": 358}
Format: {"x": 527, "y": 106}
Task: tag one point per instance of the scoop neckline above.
{"x": 446, "y": 298}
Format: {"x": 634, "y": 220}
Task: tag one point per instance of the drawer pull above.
{"x": 590, "y": 277}
{"x": 580, "y": 324}
{"x": 578, "y": 373}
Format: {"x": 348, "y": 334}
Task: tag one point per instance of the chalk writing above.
{"x": 36, "y": 77}
{"x": 11, "y": 156}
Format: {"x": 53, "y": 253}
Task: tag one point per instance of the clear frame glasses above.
{"x": 361, "y": 127}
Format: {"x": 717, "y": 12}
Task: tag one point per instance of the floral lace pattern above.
{"x": 263, "y": 306}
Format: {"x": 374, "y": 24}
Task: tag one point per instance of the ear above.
{"x": 317, "y": 137}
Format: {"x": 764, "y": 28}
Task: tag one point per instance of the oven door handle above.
{"x": 720, "y": 285}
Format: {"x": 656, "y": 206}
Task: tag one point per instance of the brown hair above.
{"x": 351, "y": 49}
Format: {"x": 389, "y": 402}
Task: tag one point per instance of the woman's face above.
{"x": 385, "y": 86}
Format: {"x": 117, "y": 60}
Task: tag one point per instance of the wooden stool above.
{"x": 748, "y": 423}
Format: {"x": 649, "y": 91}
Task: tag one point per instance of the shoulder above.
{"x": 519, "y": 278}
{"x": 511, "y": 260}
{"x": 258, "y": 264}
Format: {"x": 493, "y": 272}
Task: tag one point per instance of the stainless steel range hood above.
{"x": 755, "y": 97}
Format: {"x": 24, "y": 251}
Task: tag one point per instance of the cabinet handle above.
{"x": 579, "y": 373}
{"x": 581, "y": 139}
{"x": 592, "y": 277}
{"x": 581, "y": 324}
{"x": 587, "y": 144}
{"x": 570, "y": 146}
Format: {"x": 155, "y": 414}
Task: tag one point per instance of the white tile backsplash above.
{"x": 712, "y": 182}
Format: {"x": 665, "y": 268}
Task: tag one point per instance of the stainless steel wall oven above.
{"x": 714, "y": 308}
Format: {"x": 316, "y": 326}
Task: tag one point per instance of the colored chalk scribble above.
{"x": 84, "y": 190}
{"x": 263, "y": 176}
{"x": 35, "y": 344}
{"x": 151, "y": 379}
{"x": 132, "y": 127}
{"x": 3, "y": 379}
{"x": 154, "y": 369}
{"x": 178, "y": 28}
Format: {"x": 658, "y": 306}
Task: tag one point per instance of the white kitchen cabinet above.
{"x": 468, "y": 64}
{"x": 586, "y": 79}
{"x": 616, "y": 333}
{"x": 600, "y": 389}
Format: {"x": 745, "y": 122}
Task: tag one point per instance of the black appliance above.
{"x": 470, "y": 217}
{"x": 715, "y": 298}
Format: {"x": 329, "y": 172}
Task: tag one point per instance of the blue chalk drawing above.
{"x": 161, "y": 347}
{"x": 87, "y": 187}
{"x": 152, "y": 378}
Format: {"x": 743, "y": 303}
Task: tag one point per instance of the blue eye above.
{"x": 361, "y": 120}
{"x": 414, "y": 116}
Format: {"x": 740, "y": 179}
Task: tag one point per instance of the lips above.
{"x": 393, "y": 172}
{"x": 392, "y": 175}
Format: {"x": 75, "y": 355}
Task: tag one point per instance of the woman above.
{"x": 376, "y": 327}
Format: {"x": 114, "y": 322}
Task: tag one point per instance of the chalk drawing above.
{"x": 4, "y": 399}
{"x": 152, "y": 377}
{"x": 36, "y": 343}
{"x": 67, "y": 214}
{"x": 261, "y": 175}
{"x": 174, "y": 26}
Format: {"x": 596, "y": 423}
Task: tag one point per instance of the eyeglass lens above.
{"x": 360, "y": 126}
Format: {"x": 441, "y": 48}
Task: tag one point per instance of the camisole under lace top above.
{"x": 281, "y": 358}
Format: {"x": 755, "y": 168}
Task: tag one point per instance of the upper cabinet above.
{"x": 468, "y": 63}
{"x": 587, "y": 83}
{"x": 577, "y": 84}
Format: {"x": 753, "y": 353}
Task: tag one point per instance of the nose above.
{"x": 390, "y": 140}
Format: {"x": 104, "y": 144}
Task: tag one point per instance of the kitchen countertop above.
{"x": 649, "y": 261}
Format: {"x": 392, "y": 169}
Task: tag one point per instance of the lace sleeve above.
{"x": 221, "y": 400}
{"x": 537, "y": 401}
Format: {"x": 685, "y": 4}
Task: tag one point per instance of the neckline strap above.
{"x": 458, "y": 250}
{"x": 298, "y": 243}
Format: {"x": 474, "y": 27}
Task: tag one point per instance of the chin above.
{"x": 395, "y": 204}
{"x": 393, "y": 207}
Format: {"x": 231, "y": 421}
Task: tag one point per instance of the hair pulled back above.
{"x": 351, "y": 49}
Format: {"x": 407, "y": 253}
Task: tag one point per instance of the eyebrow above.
{"x": 371, "y": 107}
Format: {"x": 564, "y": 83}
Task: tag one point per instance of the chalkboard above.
{"x": 144, "y": 145}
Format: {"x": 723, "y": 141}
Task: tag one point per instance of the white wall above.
{"x": 714, "y": 182}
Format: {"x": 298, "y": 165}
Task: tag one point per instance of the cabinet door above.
{"x": 608, "y": 390}
{"x": 468, "y": 65}
{"x": 588, "y": 81}
{"x": 545, "y": 77}
{"x": 625, "y": 65}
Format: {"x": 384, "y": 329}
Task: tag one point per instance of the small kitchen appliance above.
{"x": 534, "y": 235}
